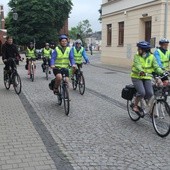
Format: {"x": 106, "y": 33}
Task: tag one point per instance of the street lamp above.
{"x": 15, "y": 18}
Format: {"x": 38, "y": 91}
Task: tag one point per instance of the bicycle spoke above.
{"x": 81, "y": 84}
{"x": 17, "y": 83}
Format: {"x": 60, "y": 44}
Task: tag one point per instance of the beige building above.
{"x": 125, "y": 22}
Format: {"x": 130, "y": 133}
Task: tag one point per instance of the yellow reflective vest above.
{"x": 30, "y": 53}
{"x": 145, "y": 64}
{"x": 165, "y": 59}
{"x": 78, "y": 55}
{"x": 62, "y": 60}
{"x": 47, "y": 53}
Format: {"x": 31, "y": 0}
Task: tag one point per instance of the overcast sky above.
{"x": 82, "y": 10}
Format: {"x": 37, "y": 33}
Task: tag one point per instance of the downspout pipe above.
{"x": 166, "y": 19}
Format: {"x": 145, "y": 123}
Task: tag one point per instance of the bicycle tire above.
{"x": 133, "y": 115}
{"x": 7, "y": 81}
{"x": 32, "y": 73}
{"x": 59, "y": 96}
{"x": 66, "y": 100}
{"x": 161, "y": 117}
{"x": 81, "y": 83}
{"x": 46, "y": 72}
{"x": 74, "y": 82}
{"x": 17, "y": 83}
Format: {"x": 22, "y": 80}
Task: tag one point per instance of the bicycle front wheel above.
{"x": 46, "y": 72}
{"x": 81, "y": 84}
{"x": 133, "y": 115}
{"x": 74, "y": 82}
{"x": 17, "y": 83}
{"x": 161, "y": 118}
{"x": 59, "y": 96}
{"x": 32, "y": 73}
{"x": 66, "y": 100}
{"x": 7, "y": 81}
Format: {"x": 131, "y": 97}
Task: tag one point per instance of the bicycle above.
{"x": 79, "y": 80}
{"x": 32, "y": 68}
{"x": 46, "y": 66}
{"x": 12, "y": 77}
{"x": 63, "y": 95}
{"x": 157, "y": 108}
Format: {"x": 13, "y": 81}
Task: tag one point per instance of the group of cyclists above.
{"x": 60, "y": 58}
{"x": 145, "y": 63}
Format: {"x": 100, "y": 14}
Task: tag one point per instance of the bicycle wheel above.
{"x": 66, "y": 100}
{"x": 7, "y": 81}
{"x": 32, "y": 72}
{"x": 133, "y": 115}
{"x": 59, "y": 96}
{"x": 17, "y": 83}
{"x": 81, "y": 84}
{"x": 74, "y": 82}
{"x": 46, "y": 72}
{"x": 161, "y": 118}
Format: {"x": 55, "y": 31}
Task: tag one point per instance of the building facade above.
{"x": 125, "y": 22}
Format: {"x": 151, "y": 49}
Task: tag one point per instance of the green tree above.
{"x": 39, "y": 20}
{"x": 82, "y": 30}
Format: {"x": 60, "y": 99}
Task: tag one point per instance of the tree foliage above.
{"x": 39, "y": 20}
{"x": 82, "y": 30}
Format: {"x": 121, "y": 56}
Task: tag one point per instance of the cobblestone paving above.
{"x": 97, "y": 134}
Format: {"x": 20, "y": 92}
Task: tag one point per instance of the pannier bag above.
{"x": 51, "y": 84}
{"x": 128, "y": 92}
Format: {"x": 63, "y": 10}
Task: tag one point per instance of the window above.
{"x": 148, "y": 31}
{"x": 109, "y": 34}
{"x": 121, "y": 34}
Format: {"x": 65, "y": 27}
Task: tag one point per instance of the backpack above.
{"x": 128, "y": 92}
{"x": 51, "y": 84}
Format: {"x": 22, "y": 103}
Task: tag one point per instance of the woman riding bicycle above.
{"x": 144, "y": 64}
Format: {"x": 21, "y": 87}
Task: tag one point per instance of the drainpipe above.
{"x": 166, "y": 19}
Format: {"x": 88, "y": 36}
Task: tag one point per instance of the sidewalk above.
{"x": 21, "y": 147}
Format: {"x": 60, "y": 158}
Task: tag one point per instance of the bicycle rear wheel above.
{"x": 17, "y": 83}
{"x": 66, "y": 100}
{"x": 7, "y": 81}
{"x": 74, "y": 82}
{"x": 161, "y": 118}
{"x": 46, "y": 71}
{"x": 81, "y": 84}
{"x": 133, "y": 115}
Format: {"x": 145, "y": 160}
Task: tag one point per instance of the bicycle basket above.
{"x": 128, "y": 92}
{"x": 51, "y": 84}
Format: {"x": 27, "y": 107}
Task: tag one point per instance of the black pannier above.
{"x": 51, "y": 84}
{"x": 128, "y": 92}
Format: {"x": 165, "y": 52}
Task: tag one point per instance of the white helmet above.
{"x": 78, "y": 41}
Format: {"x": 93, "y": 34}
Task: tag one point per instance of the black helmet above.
{"x": 63, "y": 36}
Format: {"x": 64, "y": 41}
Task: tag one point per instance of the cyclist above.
{"x": 9, "y": 50}
{"x": 79, "y": 53}
{"x": 162, "y": 55}
{"x": 30, "y": 55}
{"x": 46, "y": 53}
{"x": 144, "y": 64}
{"x": 60, "y": 60}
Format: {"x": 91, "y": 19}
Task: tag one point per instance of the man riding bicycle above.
{"x": 9, "y": 50}
{"x": 79, "y": 53}
{"x": 162, "y": 55}
{"x": 30, "y": 55}
{"x": 60, "y": 60}
{"x": 144, "y": 64}
{"x": 46, "y": 53}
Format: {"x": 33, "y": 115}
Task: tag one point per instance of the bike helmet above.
{"x": 144, "y": 45}
{"x": 62, "y": 37}
{"x": 163, "y": 40}
{"x": 78, "y": 41}
{"x": 46, "y": 44}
